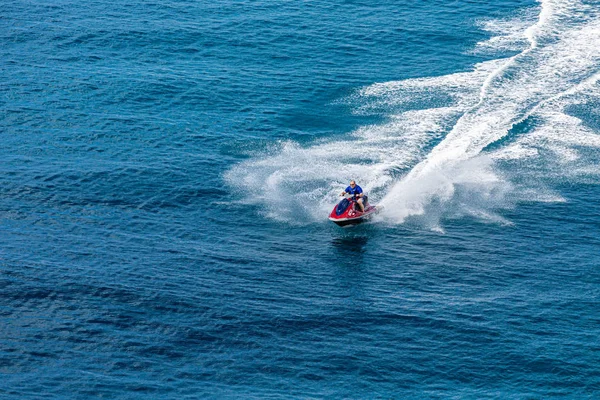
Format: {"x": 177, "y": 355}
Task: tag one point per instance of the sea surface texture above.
{"x": 167, "y": 168}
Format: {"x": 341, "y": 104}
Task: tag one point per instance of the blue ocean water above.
{"x": 168, "y": 168}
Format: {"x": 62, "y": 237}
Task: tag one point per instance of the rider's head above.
{"x": 352, "y": 183}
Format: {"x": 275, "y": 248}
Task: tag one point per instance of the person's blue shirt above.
{"x": 357, "y": 190}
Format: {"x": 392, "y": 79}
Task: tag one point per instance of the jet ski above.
{"x": 347, "y": 212}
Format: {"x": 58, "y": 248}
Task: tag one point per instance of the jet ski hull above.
{"x": 347, "y": 212}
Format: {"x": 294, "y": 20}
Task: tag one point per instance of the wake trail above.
{"x": 559, "y": 56}
{"x": 432, "y": 160}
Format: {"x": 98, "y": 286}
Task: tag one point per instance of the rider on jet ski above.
{"x": 358, "y": 194}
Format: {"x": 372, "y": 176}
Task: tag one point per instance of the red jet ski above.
{"x": 347, "y": 212}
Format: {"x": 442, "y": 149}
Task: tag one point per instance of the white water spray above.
{"x": 560, "y": 56}
{"x": 556, "y": 67}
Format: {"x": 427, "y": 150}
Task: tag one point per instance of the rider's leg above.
{"x": 360, "y": 203}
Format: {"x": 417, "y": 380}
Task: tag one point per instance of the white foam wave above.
{"x": 561, "y": 55}
{"x": 508, "y": 35}
{"x": 431, "y": 159}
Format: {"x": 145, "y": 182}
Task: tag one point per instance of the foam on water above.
{"x": 450, "y": 146}
{"x": 507, "y": 34}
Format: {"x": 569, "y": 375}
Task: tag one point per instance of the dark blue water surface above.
{"x": 130, "y": 267}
